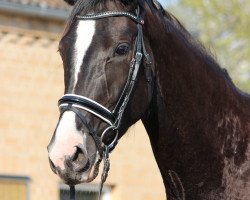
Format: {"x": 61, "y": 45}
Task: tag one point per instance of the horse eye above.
{"x": 122, "y": 49}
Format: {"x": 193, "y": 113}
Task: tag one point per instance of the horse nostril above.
{"x": 79, "y": 159}
{"x": 79, "y": 155}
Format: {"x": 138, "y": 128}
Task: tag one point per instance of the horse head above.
{"x": 108, "y": 83}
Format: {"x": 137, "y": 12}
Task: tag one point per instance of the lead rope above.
{"x": 106, "y": 167}
{"x": 72, "y": 192}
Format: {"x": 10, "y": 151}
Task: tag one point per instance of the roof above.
{"x": 43, "y": 9}
{"x": 56, "y": 4}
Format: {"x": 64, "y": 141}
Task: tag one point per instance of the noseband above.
{"x": 76, "y": 103}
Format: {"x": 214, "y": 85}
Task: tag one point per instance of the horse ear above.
{"x": 71, "y": 2}
{"x": 157, "y": 5}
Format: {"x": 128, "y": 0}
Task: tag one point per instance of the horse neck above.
{"x": 190, "y": 81}
{"x": 196, "y": 109}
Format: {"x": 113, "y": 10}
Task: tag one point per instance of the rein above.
{"x": 76, "y": 103}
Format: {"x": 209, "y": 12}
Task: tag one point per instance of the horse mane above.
{"x": 174, "y": 26}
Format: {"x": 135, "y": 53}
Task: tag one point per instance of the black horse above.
{"x": 198, "y": 122}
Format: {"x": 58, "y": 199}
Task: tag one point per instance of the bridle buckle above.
{"x": 138, "y": 57}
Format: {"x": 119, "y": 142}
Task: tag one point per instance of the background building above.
{"x": 31, "y": 83}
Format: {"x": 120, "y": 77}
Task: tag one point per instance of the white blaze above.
{"x": 84, "y": 36}
{"x": 66, "y": 138}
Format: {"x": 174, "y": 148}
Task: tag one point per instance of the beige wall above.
{"x": 31, "y": 81}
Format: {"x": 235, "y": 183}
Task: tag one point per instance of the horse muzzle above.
{"x": 72, "y": 152}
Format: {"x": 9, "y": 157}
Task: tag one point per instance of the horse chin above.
{"x": 89, "y": 175}
{"x": 94, "y": 170}
{"x": 74, "y": 178}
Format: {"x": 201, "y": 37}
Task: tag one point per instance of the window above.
{"x": 14, "y": 187}
{"x": 86, "y": 192}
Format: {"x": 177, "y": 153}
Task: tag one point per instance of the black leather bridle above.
{"x": 76, "y": 103}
